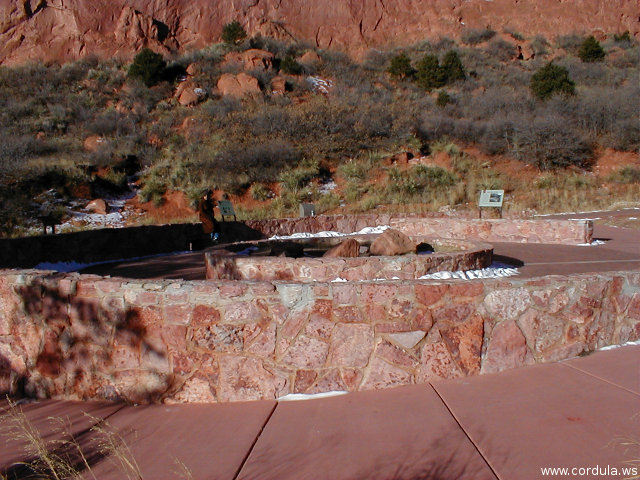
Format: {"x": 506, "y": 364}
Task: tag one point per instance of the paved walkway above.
{"x": 573, "y": 414}
{"x": 620, "y": 251}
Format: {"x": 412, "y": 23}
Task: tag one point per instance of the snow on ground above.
{"x": 592, "y": 244}
{"x": 309, "y": 396}
{"x": 364, "y": 231}
{"x": 489, "y": 272}
{"x": 611, "y": 347}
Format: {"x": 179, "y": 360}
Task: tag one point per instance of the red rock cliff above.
{"x": 68, "y": 29}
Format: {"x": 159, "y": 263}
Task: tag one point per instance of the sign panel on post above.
{"x": 491, "y": 198}
{"x": 226, "y": 208}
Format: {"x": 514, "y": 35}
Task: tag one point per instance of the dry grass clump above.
{"x": 68, "y": 455}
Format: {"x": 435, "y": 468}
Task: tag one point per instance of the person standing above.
{"x": 205, "y": 211}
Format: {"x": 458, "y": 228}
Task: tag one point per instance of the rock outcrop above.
{"x": 238, "y": 85}
{"x": 63, "y": 30}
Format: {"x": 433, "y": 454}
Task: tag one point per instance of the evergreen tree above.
{"x": 452, "y": 67}
{"x": 401, "y": 66}
{"x": 591, "y": 50}
{"x": 147, "y": 66}
{"x": 430, "y": 75}
{"x": 551, "y": 79}
{"x": 233, "y": 33}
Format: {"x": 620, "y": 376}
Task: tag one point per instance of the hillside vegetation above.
{"x": 422, "y": 129}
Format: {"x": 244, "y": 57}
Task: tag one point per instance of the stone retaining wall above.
{"x": 568, "y": 232}
{"x": 87, "y": 337}
{"x": 462, "y": 255}
{"x": 119, "y": 243}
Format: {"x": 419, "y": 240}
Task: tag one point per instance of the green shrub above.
{"x": 148, "y": 66}
{"x": 623, "y": 40}
{"x": 627, "y": 174}
{"x": 400, "y": 66}
{"x": 418, "y": 179}
{"x": 260, "y": 192}
{"x": 591, "y": 50}
{"x": 295, "y": 179}
{"x": 551, "y": 79}
{"x": 290, "y": 65}
{"x": 443, "y": 99}
{"x": 153, "y": 190}
{"x": 233, "y": 33}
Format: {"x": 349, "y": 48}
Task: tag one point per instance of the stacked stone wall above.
{"x": 120, "y": 243}
{"x": 88, "y": 337}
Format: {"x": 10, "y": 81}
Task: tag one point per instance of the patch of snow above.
{"x": 490, "y": 272}
{"x": 338, "y": 280}
{"x": 320, "y": 85}
{"x": 592, "y": 244}
{"x": 364, "y": 231}
{"x": 327, "y": 187}
{"x": 611, "y": 347}
{"x": 310, "y": 396}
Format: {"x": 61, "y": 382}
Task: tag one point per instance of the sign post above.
{"x": 226, "y": 209}
{"x": 490, "y": 198}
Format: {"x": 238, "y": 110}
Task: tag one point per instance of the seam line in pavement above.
{"x": 583, "y": 261}
{"x": 600, "y": 378}
{"x": 464, "y": 431}
{"x": 246, "y": 457}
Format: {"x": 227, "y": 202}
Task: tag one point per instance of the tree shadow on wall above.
{"x": 81, "y": 348}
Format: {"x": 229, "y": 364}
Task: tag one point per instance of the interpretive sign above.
{"x": 226, "y": 209}
{"x": 490, "y": 198}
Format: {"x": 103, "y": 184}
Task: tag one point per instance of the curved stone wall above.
{"x": 459, "y": 255}
{"x": 119, "y": 243}
{"x": 90, "y": 337}
{"x": 87, "y": 337}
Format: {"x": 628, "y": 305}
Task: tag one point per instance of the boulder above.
{"x": 249, "y": 59}
{"x": 192, "y": 69}
{"x": 191, "y": 96}
{"x": 392, "y": 242}
{"x": 97, "y": 206}
{"x": 525, "y": 51}
{"x": 278, "y": 85}
{"x": 238, "y": 85}
{"x": 347, "y": 248}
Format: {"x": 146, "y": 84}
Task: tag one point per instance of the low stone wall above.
{"x": 87, "y": 337}
{"x": 223, "y": 265}
{"x": 119, "y": 243}
{"x": 568, "y": 232}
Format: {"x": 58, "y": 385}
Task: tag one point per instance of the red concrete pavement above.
{"x": 620, "y": 251}
{"x": 507, "y": 425}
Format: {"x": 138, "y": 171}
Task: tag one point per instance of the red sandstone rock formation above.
{"x": 347, "y": 248}
{"x": 64, "y": 30}
{"x": 238, "y": 85}
{"x": 392, "y": 242}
